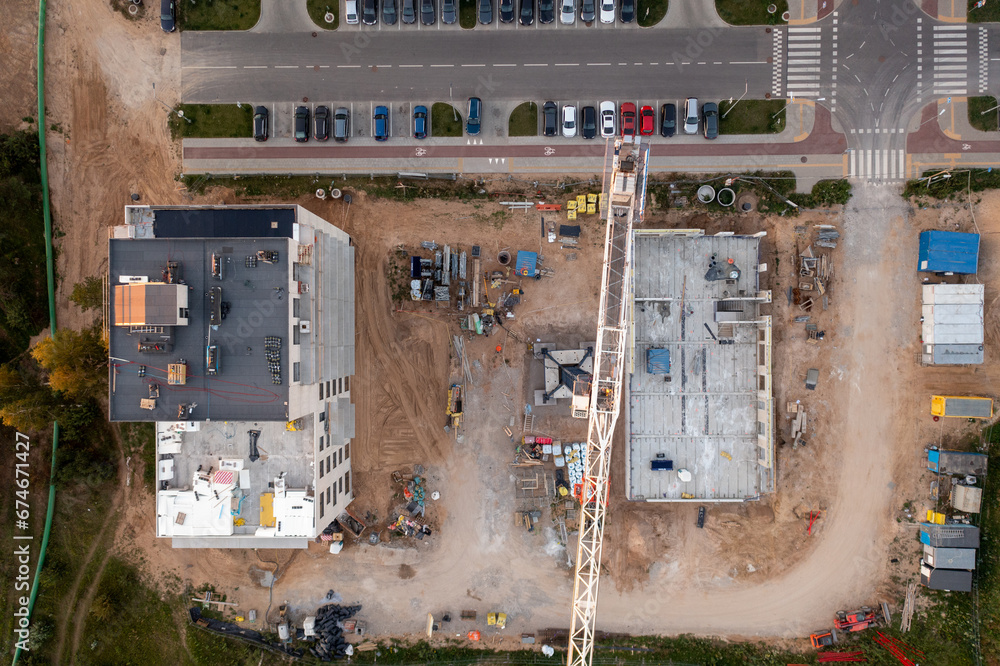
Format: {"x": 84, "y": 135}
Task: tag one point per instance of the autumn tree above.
{"x": 74, "y": 362}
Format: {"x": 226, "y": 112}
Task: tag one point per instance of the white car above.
{"x": 567, "y": 12}
{"x": 691, "y": 116}
{"x": 607, "y": 119}
{"x": 351, "y": 11}
{"x": 607, "y": 11}
{"x": 569, "y": 121}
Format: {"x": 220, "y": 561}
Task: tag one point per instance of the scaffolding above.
{"x": 626, "y": 189}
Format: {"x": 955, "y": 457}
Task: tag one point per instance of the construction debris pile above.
{"x": 815, "y": 273}
{"x": 328, "y": 629}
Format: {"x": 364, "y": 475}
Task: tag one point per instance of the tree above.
{"x": 73, "y": 360}
{"x": 89, "y": 294}
{"x": 24, "y": 403}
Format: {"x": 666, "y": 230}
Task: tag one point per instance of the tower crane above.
{"x": 625, "y": 193}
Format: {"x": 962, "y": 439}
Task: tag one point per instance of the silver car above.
{"x": 691, "y": 116}
{"x": 607, "y": 119}
{"x": 567, "y": 12}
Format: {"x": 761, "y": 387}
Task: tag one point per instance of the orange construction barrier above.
{"x": 474, "y": 635}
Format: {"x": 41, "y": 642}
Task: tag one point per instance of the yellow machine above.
{"x": 455, "y": 405}
{"x": 499, "y": 620}
{"x": 968, "y": 407}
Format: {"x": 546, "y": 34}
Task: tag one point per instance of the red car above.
{"x": 647, "y": 118}
{"x": 628, "y": 121}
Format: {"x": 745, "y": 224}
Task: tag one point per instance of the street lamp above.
{"x": 939, "y": 114}
{"x": 738, "y": 101}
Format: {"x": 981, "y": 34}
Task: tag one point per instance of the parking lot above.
{"x": 517, "y": 11}
{"x": 495, "y": 119}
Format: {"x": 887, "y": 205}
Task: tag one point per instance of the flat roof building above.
{"x": 951, "y": 329}
{"x": 948, "y": 252}
{"x": 699, "y": 403}
{"x": 950, "y": 558}
{"x": 953, "y": 535}
{"x": 233, "y": 329}
{"x": 964, "y": 463}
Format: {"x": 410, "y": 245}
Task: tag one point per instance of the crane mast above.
{"x": 625, "y": 193}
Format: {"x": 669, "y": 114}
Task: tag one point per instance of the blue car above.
{"x": 474, "y": 120}
{"x": 420, "y": 122}
{"x": 381, "y": 123}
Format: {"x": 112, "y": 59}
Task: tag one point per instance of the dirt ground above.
{"x": 753, "y": 570}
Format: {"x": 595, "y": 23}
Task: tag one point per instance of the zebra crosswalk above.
{"x": 804, "y": 58}
{"x": 951, "y": 60}
{"x": 877, "y": 165}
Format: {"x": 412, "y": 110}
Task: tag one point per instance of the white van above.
{"x": 691, "y": 116}
{"x": 351, "y": 13}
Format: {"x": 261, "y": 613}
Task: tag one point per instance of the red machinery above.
{"x": 858, "y": 620}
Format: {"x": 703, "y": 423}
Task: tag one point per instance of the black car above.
{"x": 260, "y": 122}
{"x": 485, "y": 12}
{"x": 627, "y": 11}
{"x": 474, "y": 119}
{"x": 710, "y": 114}
{"x": 588, "y": 122}
{"x": 427, "y": 12}
{"x": 550, "y": 117}
{"x": 448, "y": 13}
{"x": 527, "y": 14}
{"x": 409, "y": 11}
{"x": 668, "y": 120}
{"x": 168, "y": 15}
{"x": 506, "y": 11}
{"x": 341, "y": 124}
{"x": 546, "y": 11}
{"x": 701, "y": 517}
{"x": 389, "y": 12}
{"x": 588, "y": 10}
{"x": 301, "y": 124}
{"x": 321, "y": 123}
{"x": 369, "y": 12}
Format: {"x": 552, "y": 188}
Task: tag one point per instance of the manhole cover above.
{"x": 804, "y": 159}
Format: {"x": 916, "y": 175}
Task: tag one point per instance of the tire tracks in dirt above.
{"x": 64, "y": 620}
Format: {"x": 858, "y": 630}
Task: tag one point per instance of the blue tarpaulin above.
{"x": 526, "y": 263}
{"x": 658, "y": 361}
{"x": 948, "y": 252}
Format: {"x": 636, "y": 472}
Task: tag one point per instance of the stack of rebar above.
{"x": 898, "y": 649}
{"x": 841, "y": 657}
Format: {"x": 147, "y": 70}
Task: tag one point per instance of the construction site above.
{"x": 584, "y": 412}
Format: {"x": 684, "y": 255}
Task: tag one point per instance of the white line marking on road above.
{"x": 951, "y": 51}
{"x": 505, "y": 65}
{"x": 473, "y": 65}
{"x": 293, "y": 66}
{"x": 804, "y": 61}
{"x": 950, "y": 60}
{"x": 442, "y": 65}
{"x": 348, "y": 66}
{"x": 384, "y": 66}
{"x": 536, "y": 64}
{"x": 257, "y": 66}
{"x": 947, "y": 67}
{"x": 747, "y": 62}
{"x": 567, "y": 64}
{"x": 411, "y": 65}
{"x": 598, "y": 64}
{"x": 210, "y": 67}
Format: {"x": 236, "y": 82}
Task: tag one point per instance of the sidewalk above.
{"x": 950, "y": 11}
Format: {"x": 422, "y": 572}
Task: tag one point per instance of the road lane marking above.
{"x": 442, "y": 65}
{"x": 257, "y": 66}
{"x": 567, "y": 64}
{"x": 210, "y": 67}
{"x": 506, "y": 65}
{"x": 748, "y": 62}
{"x": 293, "y": 66}
{"x": 417, "y": 66}
{"x": 608, "y": 64}
{"x": 536, "y": 64}
{"x": 348, "y": 66}
{"x": 473, "y": 65}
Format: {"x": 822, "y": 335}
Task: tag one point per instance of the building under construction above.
{"x": 699, "y": 398}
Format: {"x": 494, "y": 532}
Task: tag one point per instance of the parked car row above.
{"x": 319, "y": 124}
{"x": 628, "y": 120}
{"x": 368, "y": 12}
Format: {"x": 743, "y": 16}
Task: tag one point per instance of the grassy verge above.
{"x": 523, "y": 120}
{"x": 984, "y": 114}
{"x": 750, "y": 12}
{"x": 218, "y": 14}
{"x": 772, "y": 189}
{"x": 467, "y": 14}
{"x": 122, "y": 7}
{"x": 212, "y": 121}
{"x": 445, "y": 120}
{"x": 987, "y": 13}
{"x": 988, "y": 574}
{"x": 943, "y": 188}
{"x": 317, "y": 10}
{"x": 752, "y": 116}
{"x": 650, "y": 12}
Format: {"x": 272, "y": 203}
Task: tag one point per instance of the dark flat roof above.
{"x": 223, "y": 222}
{"x": 243, "y": 390}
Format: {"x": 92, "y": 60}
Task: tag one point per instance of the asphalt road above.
{"x": 354, "y": 65}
